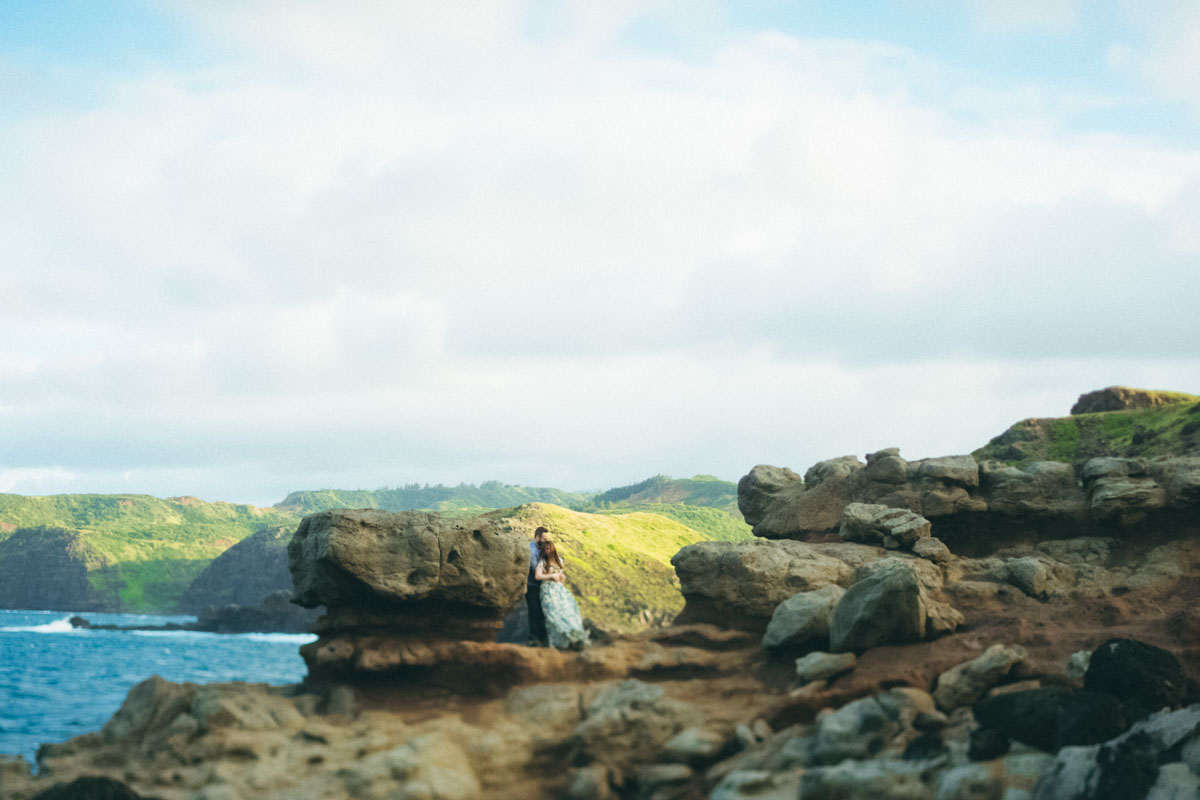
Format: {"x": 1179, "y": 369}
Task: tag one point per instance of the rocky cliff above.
{"x": 47, "y": 568}
{"x": 244, "y": 574}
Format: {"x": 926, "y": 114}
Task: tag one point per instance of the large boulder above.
{"x": 409, "y": 591}
{"x": 1144, "y": 677}
{"x": 1052, "y": 717}
{"x": 803, "y": 617}
{"x": 884, "y": 608}
{"x": 740, "y": 584}
{"x": 356, "y": 556}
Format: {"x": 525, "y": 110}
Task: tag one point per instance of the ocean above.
{"x": 57, "y": 682}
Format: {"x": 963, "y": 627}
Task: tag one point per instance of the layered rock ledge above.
{"x": 975, "y": 507}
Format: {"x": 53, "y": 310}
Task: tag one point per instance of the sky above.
{"x": 261, "y": 246}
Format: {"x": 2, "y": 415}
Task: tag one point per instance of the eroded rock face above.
{"x": 790, "y": 509}
{"x": 966, "y": 500}
{"x": 407, "y": 590}
{"x": 342, "y": 556}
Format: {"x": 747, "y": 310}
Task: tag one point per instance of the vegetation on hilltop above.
{"x": 713, "y": 523}
{"x": 618, "y": 565}
{"x": 143, "y": 551}
{"x": 1170, "y": 429}
{"x": 699, "y": 490}
{"x": 703, "y": 502}
{"x": 414, "y": 496}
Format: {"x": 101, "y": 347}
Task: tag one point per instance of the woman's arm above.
{"x": 540, "y": 574}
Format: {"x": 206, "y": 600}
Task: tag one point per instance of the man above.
{"x": 533, "y": 592}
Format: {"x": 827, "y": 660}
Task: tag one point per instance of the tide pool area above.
{"x": 57, "y": 682}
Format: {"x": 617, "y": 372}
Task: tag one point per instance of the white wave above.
{"x": 297, "y": 638}
{"x": 173, "y": 634}
{"x": 57, "y": 626}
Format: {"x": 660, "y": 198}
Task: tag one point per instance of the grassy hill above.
{"x": 700, "y": 490}
{"x": 703, "y": 502}
{"x": 1172, "y": 428}
{"x": 618, "y": 565}
{"x": 142, "y": 551}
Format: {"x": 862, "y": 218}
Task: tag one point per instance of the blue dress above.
{"x": 564, "y": 624}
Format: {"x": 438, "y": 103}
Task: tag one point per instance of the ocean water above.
{"x": 57, "y": 682}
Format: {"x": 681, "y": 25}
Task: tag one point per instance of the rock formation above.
{"x": 974, "y": 507}
{"x": 403, "y": 591}
{"x": 1119, "y": 398}
{"x": 47, "y": 568}
{"x": 244, "y": 574}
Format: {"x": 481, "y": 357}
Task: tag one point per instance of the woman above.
{"x": 564, "y": 625}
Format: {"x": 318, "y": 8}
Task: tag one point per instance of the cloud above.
{"x": 377, "y": 244}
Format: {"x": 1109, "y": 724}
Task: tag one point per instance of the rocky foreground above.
{"x": 936, "y": 629}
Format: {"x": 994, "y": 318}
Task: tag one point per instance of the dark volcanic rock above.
{"x": 275, "y": 614}
{"x": 987, "y": 743}
{"x": 1052, "y": 717}
{"x": 90, "y": 789}
{"x": 1144, "y": 677}
{"x": 47, "y": 568}
{"x": 244, "y": 574}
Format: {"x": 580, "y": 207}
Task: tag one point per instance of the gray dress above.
{"x": 564, "y": 624}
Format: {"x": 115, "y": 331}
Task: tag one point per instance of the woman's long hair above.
{"x": 550, "y": 552}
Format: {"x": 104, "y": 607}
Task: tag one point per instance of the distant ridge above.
{"x": 414, "y": 496}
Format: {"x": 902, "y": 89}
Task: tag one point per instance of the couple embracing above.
{"x": 553, "y": 614}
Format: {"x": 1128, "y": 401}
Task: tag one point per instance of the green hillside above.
{"x": 143, "y": 551}
{"x": 412, "y": 497}
{"x": 1171, "y": 429}
{"x": 700, "y": 490}
{"x": 140, "y": 553}
{"x": 712, "y": 523}
{"x": 703, "y": 502}
{"x": 618, "y": 565}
